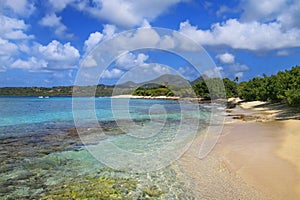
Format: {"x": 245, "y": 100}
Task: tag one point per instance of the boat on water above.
{"x": 43, "y": 97}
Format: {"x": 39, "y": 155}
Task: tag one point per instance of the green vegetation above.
{"x": 214, "y": 86}
{"x": 283, "y": 87}
{"x": 160, "y": 90}
{"x": 101, "y": 90}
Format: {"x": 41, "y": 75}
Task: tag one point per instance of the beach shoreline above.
{"x": 256, "y": 157}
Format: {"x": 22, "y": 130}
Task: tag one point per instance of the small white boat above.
{"x": 46, "y": 97}
{"x": 40, "y": 97}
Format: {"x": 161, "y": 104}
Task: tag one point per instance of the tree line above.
{"x": 99, "y": 90}
{"x": 281, "y": 87}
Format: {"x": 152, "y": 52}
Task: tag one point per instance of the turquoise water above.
{"x": 40, "y": 149}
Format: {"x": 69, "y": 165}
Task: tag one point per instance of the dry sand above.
{"x": 289, "y": 148}
{"x": 256, "y": 159}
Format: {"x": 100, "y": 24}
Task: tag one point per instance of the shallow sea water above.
{"x": 42, "y": 156}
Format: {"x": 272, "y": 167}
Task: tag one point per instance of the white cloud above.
{"x": 114, "y": 73}
{"x": 109, "y": 30}
{"x": 52, "y": 57}
{"x": 283, "y": 53}
{"x": 7, "y": 52}
{"x": 146, "y": 72}
{"x": 53, "y": 21}
{"x": 89, "y": 62}
{"x": 236, "y": 70}
{"x": 92, "y": 41}
{"x": 167, "y": 42}
{"x": 61, "y": 4}
{"x": 286, "y": 12}
{"x": 160, "y": 69}
{"x": 126, "y": 13}
{"x": 7, "y": 48}
{"x": 231, "y": 68}
{"x": 213, "y": 73}
{"x": 32, "y": 64}
{"x": 96, "y": 37}
{"x": 12, "y": 28}
{"x": 22, "y": 8}
{"x": 223, "y": 9}
{"x": 249, "y": 35}
{"x": 263, "y": 10}
{"x": 237, "y": 67}
{"x": 145, "y": 24}
{"x": 130, "y": 60}
{"x": 226, "y": 58}
{"x": 133, "y": 40}
{"x": 55, "y": 51}
{"x": 290, "y": 17}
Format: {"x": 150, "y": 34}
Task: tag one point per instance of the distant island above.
{"x": 281, "y": 87}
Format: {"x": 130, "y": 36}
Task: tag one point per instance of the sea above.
{"x": 96, "y": 147}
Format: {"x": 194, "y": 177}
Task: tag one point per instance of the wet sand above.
{"x": 253, "y": 159}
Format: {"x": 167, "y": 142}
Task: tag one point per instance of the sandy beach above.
{"x": 125, "y": 96}
{"x": 256, "y": 157}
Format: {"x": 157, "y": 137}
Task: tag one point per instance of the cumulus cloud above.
{"x": 89, "y": 61}
{"x": 290, "y": 17}
{"x": 249, "y": 35}
{"x": 146, "y": 72}
{"x": 226, "y": 58}
{"x": 92, "y": 41}
{"x": 126, "y": 13}
{"x": 122, "y": 13}
{"x": 114, "y": 73}
{"x": 145, "y": 24}
{"x": 61, "y": 4}
{"x": 65, "y": 54}
{"x": 54, "y": 22}
{"x": 7, "y": 52}
{"x": 109, "y": 30}
{"x": 22, "y": 8}
{"x": 134, "y": 40}
{"x": 96, "y": 37}
{"x": 32, "y": 64}
{"x": 231, "y": 68}
{"x": 13, "y": 29}
{"x": 237, "y": 67}
{"x": 236, "y": 70}
{"x": 130, "y": 60}
{"x": 286, "y": 12}
{"x": 7, "y": 48}
{"x": 52, "y": 57}
{"x": 213, "y": 73}
{"x": 262, "y": 10}
{"x": 126, "y": 62}
{"x": 131, "y": 66}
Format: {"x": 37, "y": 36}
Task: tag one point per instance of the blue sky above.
{"x": 43, "y": 43}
